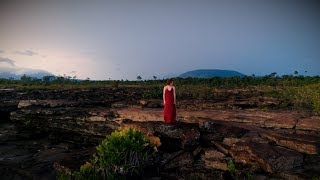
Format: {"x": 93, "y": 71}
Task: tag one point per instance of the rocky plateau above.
{"x": 44, "y": 132}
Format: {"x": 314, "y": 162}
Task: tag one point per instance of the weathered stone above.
{"x": 223, "y": 129}
{"x": 119, "y": 105}
{"x": 253, "y": 136}
{"x": 230, "y": 141}
{"x": 213, "y": 154}
{"x": 214, "y": 159}
{"x": 260, "y": 177}
{"x": 182, "y": 136}
{"x": 222, "y": 147}
{"x": 84, "y": 117}
{"x": 146, "y": 128}
{"x": 143, "y": 102}
{"x": 216, "y": 175}
{"x": 167, "y": 157}
{"x": 96, "y": 118}
{"x": 151, "y": 103}
{"x": 27, "y": 155}
{"x": 293, "y": 175}
{"x": 182, "y": 160}
{"x": 312, "y": 163}
{"x": 71, "y": 120}
{"x": 138, "y": 114}
{"x": 8, "y": 105}
{"x": 281, "y": 120}
{"x": 310, "y": 124}
{"x": 43, "y": 103}
{"x": 213, "y": 131}
{"x": 304, "y": 144}
{"x": 216, "y": 165}
{"x": 197, "y": 151}
{"x": 270, "y": 158}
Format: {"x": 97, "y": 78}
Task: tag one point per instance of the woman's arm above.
{"x": 164, "y": 96}
{"x": 174, "y": 94}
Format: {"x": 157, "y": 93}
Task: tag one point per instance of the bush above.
{"x": 312, "y": 93}
{"x": 122, "y": 154}
{"x": 232, "y": 168}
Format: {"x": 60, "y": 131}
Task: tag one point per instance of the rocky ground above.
{"x": 43, "y": 132}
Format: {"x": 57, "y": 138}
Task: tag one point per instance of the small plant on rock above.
{"x": 232, "y": 168}
{"x": 121, "y": 155}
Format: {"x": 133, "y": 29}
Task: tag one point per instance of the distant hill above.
{"x": 207, "y": 73}
{"x": 16, "y": 73}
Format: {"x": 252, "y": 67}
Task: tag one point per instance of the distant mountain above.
{"x": 16, "y": 73}
{"x": 207, "y": 73}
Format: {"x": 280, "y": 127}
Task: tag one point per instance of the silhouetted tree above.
{"x": 139, "y": 78}
{"x": 273, "y": 74}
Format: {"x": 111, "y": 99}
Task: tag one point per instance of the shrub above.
{"x": 87, "y": 172}
{"x": 232, "y": 168}
{"x": 312, "y": 93}
{"x": 122, "y": 154}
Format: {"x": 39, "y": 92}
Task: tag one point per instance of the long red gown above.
{"x": 169, "y": 112}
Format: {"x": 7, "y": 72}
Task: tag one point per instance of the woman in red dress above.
{"x": 169, "y": 102}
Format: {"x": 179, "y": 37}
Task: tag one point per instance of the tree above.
{"x": 273, "y": 74}
{"x": 296, "y": 73}
{"x": 26, "y": 78}
{"x": 154, "y": 77}
{"x": 139, "y": 78}
{"x": 48, "y": 79}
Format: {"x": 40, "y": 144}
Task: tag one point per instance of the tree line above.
{"x": 227, "y": 82}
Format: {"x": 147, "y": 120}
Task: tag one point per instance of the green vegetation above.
{"x": 294, "y": 91}
{"x": 248, "y": 176}
{"x": 232, "y": 168}
{"x": 316, "y": 178}
{"x": 121, "y": 155}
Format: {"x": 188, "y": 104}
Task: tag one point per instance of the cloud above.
{"x": 73, "y": 72}
{"x": 17, "y": 72}
{"x": 1, "y": 51}
{"x": 26, "y": 52}
{"x": 7, "y": 60}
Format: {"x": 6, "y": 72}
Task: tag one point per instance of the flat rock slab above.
{"x": 301, "y": 143}
{"x": 182, "y": 160}
{"x": 140, "y": 114}
{"x": 181, "y": 136}
{"x": 270, "y": 158}
{"x": 214, "y": 159}
{"x": 283, "y": 120}
{"x": 311, "y": 124}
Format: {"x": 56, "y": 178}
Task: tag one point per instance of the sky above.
{"x": 124, "y": 39}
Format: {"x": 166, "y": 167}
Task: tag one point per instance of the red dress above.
{"x": 169, "y": 112}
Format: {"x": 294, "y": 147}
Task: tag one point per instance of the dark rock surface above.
{"x": 45, "y": 131}
{"x": 27, "y": 155}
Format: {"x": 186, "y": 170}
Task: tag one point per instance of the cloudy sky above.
{"x": 123, "y": 39}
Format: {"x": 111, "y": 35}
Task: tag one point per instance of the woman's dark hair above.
{"x": 169, "y": 81}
